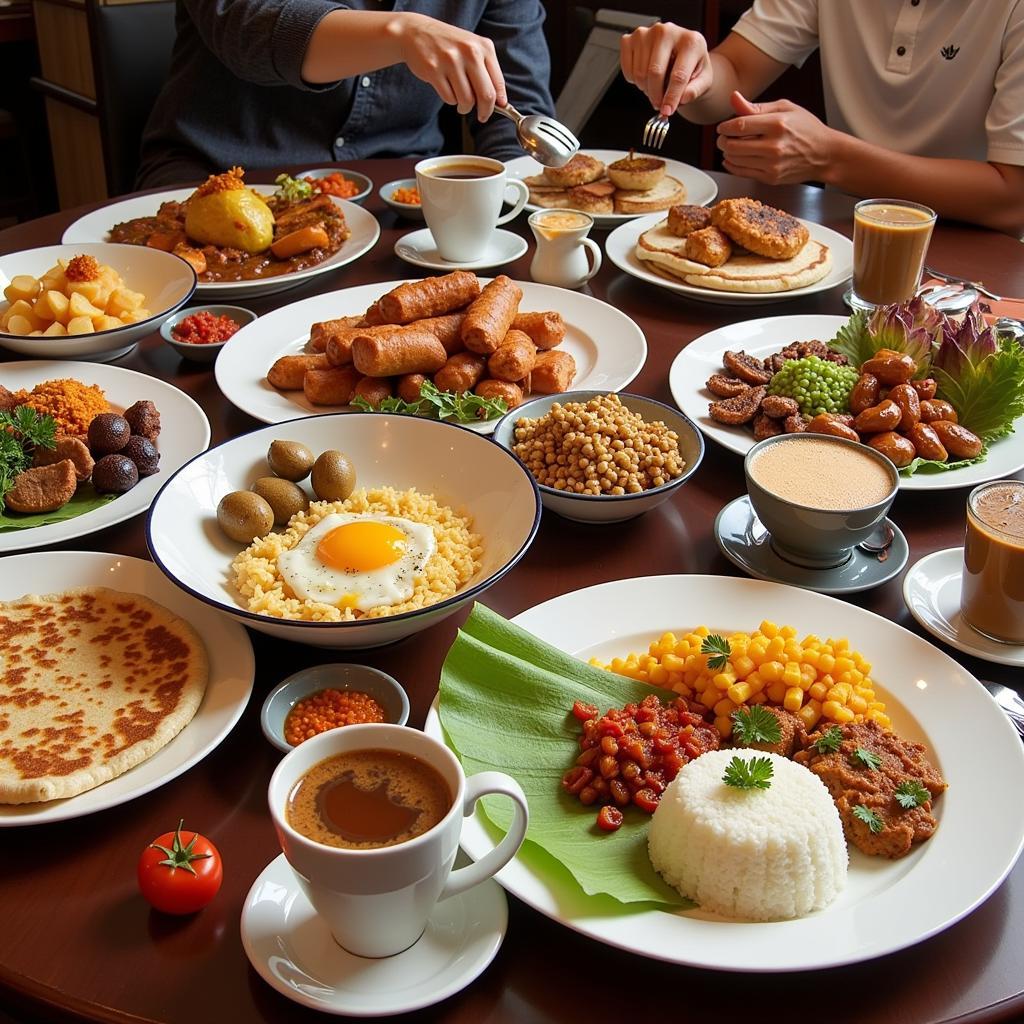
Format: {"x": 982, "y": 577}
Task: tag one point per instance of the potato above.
{"x": 81, "y": 325}
{"x": 22, "y": 286}
{"x": 123, "y": 300}
{"x": 20, "y": 326}
{"x": 238, "y": 218}
{"x": 55, "y": 330}
{"x": 79, "y": 305}
{"x": 103, "y": 322}
{"x": 54, "y": 305}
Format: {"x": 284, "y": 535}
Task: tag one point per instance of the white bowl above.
{"x": 166, "y": 281}
{"x": 609, "y": 508}
{"x": 460, "y": 468}
{"x": 410, "y": 210}
{"x": 365, "y": 184}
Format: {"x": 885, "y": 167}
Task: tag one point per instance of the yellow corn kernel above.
{"x": 702, "y": 631}
{"x": 709, "y": 697}
{"x": 858, "y": 705}
{"x": 810, "y": 657}
{"x": 876, "y": 705}
{"x": 794, "y": 698}
{"x": 826, "y": 663}
{"x": 723, "y": 680}
{"x": 830, "y": 709}
{"x": 776, "y": 691}
{"x": 840, "y": 693}
{"x": 724, "y": 707}
{"x": 817, "y": 691}
{"x": 862, "y": 665}
{"x": 877, "y": 716}
{"x": 742, "y": 666}
{"x": 840, "y": 646}
{"x": 658, "y": 675}
{"x": 757, "y": 698}
{"x": 793, "y": 650}
{"x": 811, "y": 640}
{"x": 810, "y": 715}
{"x": 771, "y": 671}
{"x": 844, "y": 716}
{"x": 673, "y": 662}
{"x": 809, "y": 673}
{"x": 739, "y": 692}
{"x": 724, "y": 726}
{"x": 843, "y": 664}
{"x": 788, "y": 632}
{"x": 755, "y": 682}
{"x": 776, "y": 649}
{"x": 791, "y": 674}
{"x": 768, "y": 629}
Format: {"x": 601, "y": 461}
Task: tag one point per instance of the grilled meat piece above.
{"x": 684, "y": 219}
{"x": 725, "y": 386}
{"x": 794, "y": 425}
{"x": 779, "y": 406}
{"x": 746, "y": 367}
{"x": 765, "y": 426}
{"x": 708, "y": 246}
{"x": 741, "y": 409}
{"x": 761, "y": 229}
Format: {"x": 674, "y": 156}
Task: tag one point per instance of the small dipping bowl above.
{"x": 816, "y": 538}
{"x": 384, "y": 689}
{"x": 365, "y": 184}
{"x": 413, "y": 211}
{"x": 203, "y": 353}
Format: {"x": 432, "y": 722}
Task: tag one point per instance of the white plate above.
{"x": 231, "y": 672}
{"x": 887, "y": 905}
{"x": 931, "y": 590}
{"x": 621, "y": 249}
{"x": 185, "y": 432}
{"x": 420, "y": 249}
{"x": 701, "y": 188}
{"x": 703, "y": 356}
{"x": 292, "y": 950}
{"x": 94, "y": 227}
{"x": 608, "y": 347}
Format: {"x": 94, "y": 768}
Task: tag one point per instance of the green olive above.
{"x": 334, "y": 477}
{"x": 244, "y": 516}
{"x": 284, "y": 497}
{"x": 291, "y": 460}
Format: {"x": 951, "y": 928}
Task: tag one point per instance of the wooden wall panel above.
{"x": 77, "y": 154}
{"x": 64, "y": 52}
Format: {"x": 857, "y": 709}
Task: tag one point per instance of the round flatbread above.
{"x": 93, "y": 681}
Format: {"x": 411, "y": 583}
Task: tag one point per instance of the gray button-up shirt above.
{"x": 235, "y": 93}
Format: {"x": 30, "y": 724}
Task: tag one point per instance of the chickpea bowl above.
{"x": 601, "y": 458}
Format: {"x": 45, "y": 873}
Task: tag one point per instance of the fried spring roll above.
{"x": 287, "y": 372}
{"x": 489, "y": 388}
{"x": 546, "y": 330}
{"x": 320, "y": 334}
{"x": 373, "y": 389}
{"x": 408, "y": 386}
{"x": 433, "y": 296}
{"x": 332, "y": 386}
{"x": 339, "y": 346}
{"x": 514, "y": 358}
{"x": 447, "y": 330}
{"x": 552, "y": 373}
{"x": 461, "y": 373}
{"x": 391, "y": 355}
{"x": 373, "y": 316}
{"x": 490, "y": 316}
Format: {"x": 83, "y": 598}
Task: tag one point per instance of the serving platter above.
{"x": 94, "y": 227}
{"x": 886, "y": 905}
{"x": 185, "y": 432}
{"x": 701, "y": 188}
{"x": 232, "y": 668}
{"x": 620, "y": 246}
{"x": 609, "y": 347}
{"x": 703, "y": 356}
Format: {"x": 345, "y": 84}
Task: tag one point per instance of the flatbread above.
{"x": 668, "y": 192}
{"x": 93, "y": 681}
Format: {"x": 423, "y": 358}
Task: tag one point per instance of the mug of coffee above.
{"x": 992, "y": 590}
{"x": 369, "y": 819}
{"x": 562, "y": 252}
{"x": 461, "y": 199}
{"x": 890, "y": 239}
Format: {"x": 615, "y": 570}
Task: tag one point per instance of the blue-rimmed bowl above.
{"x": 203, "y": 353}
{"x": 414, "y": 211}
{"x": 365, "y": 184}
{"x": 384, "y": 689}
{"x": 609, "y": 508}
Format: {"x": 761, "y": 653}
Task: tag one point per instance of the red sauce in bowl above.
{"x": 204, "y": 329}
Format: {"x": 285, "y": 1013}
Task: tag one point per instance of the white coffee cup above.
{"x": 562, "y": 247}
{"x": 462, "y": 211}
{"x": 377, "y": 901}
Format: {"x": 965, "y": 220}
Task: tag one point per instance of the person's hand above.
{"x": 778, "y": 143}
{"x": 460, "y": 66}
{"x": 668, "y": 63}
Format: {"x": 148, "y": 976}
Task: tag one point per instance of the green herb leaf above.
{"x": 292, "y": 190}
{"x": 21, "y": 430}
{"x": 829, "y": 741}
{"x": 463, "y": 407}
{"x": 717, "y": 647}
{"x": 869, "y": 817}
{"x": 868, "y": 758}
{"x": 753, "y": 774}
{"x": 755, "y": 724}
{"x": 911, "y": 794}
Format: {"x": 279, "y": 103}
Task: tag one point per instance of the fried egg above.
{"x": 358, "y": 561}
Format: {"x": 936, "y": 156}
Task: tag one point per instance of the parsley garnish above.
{"x": 440, "y": 405}
{"x": 292, "y": 190}
{"x": 755, "y": 725}
{"x": 753, "y": 774}
{"x": 869, "y": 817}
{"x": 911, "y": 794}
{"x": 717, "y": 647}
{"x": 868, "y": 758}
{"x": 21, "y": 430}
{"x": 829, "y": 741}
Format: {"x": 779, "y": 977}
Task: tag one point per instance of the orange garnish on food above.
{"x": 230, "y": 181}
{"x": 82, "y": 268}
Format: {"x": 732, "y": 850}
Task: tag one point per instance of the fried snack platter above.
{"x": 228, "y": 688}
{"x": 607, "y": 347}
{"x": 886, "y": 905}
{"x": 700, "y": 188}
{"x": 621, "y": 250}
{"x": 96, "y": 226}
{"x": 703, "y": 357}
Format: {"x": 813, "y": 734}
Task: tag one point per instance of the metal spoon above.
{"x": 879, "y": 542}
{"x": 548, "y": 141}
{"x": 1010, "y": 701}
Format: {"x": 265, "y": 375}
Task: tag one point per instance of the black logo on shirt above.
{"x": 949, "y": 52}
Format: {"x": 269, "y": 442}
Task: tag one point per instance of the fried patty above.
{"x": 760, "y": 229}
{"x": 708, "y": 246}
{"x": 683, "y": 218}
{"x": 580, "y": 170}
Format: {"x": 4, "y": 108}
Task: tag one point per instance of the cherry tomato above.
{"x": 180, "y": 872}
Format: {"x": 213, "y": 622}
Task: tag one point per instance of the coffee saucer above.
{"x": 932, "y": 593}
{"x": 743, "y": 539}
{"x": 292, "y": 949}
{"x": 420, "y": 249}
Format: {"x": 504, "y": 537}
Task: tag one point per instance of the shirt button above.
{"x": 339, "y": 142}
{"x": 900, "y": 51}
{"x": 366, "y": 81}
{"x": 914, "y": 3}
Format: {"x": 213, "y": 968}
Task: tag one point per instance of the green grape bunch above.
{"x": 818, "y": 385}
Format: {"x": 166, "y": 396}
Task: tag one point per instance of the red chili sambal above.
{"x": 204, "y": 329}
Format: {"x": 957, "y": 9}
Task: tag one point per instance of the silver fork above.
{"x": 932, "y": 272}
{"x": 655, "y": 131}
{"x": 1010, "y": 701}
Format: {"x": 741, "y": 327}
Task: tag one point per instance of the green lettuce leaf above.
{"x": 937, "y": 466}
{"x": 85, "y": 500}
{"x": 505, "y": 705}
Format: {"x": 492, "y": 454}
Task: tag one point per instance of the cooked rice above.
{"x": 452, "y": 566}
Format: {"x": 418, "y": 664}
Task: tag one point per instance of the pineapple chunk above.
{"x": 81, "y": 325}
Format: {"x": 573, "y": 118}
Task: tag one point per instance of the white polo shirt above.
{"x": 938, "y": 78}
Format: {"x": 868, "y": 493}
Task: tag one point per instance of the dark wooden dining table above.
{"x": 77, "y": 941}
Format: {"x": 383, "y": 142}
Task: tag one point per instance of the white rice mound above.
{"x": 755, "y": 854}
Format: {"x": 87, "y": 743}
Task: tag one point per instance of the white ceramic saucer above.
{"x": 420, "y": 249}
{"x": 931, "y": 590}
{"x": 294, "y": 952}
{"x": 743, "y": 539}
